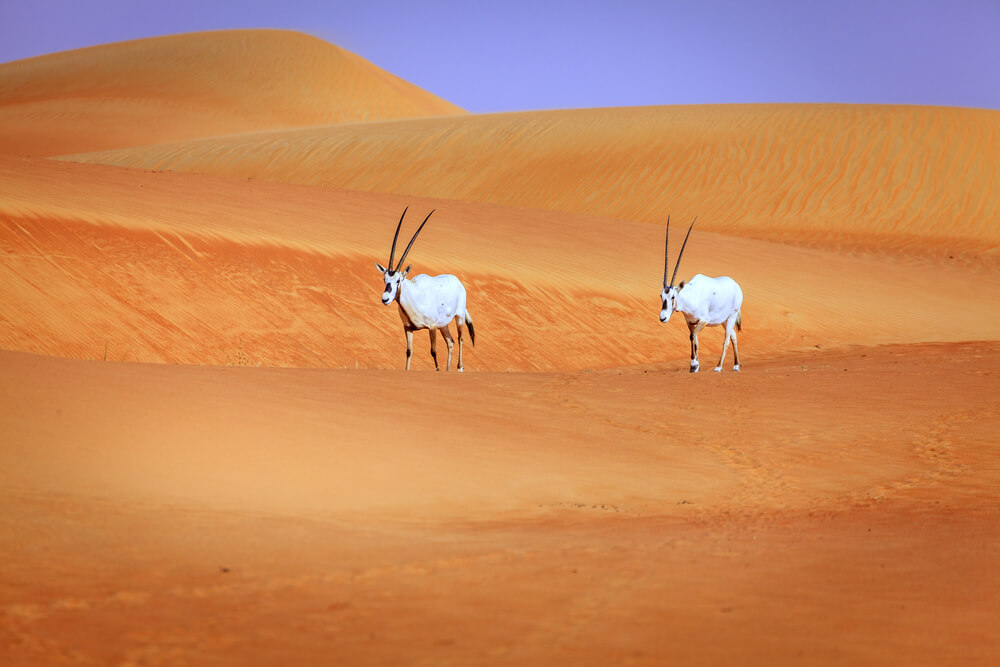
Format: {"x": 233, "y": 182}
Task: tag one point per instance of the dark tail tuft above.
{"x": 739, "y": 321}
{"x": 472, "y": 329}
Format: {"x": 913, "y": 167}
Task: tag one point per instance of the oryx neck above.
{"x": 399, "y": 291}
{"x": 409, "y": 288}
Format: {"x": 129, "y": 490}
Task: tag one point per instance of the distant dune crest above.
{"x": 194, "y": 85}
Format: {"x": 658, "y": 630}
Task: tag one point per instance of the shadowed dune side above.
{"x": 194, "y": 85}
{"x": 101, "y": 262}
{"x": 863, "y": 176}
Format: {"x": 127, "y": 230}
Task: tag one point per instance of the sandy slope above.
{"x": 127, "y": 265}
{"x": 843, "y": 173}
{"x": 194, "y": 85}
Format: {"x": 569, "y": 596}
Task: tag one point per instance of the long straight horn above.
{"x": 393, "y": 251}
{"x": 405, "y": 252}
{"x": 666, "y": 254}
{"x": 678, "y": 265}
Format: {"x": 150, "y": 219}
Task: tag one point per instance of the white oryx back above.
{"x": 433, "y": 301}
{"x": 709, "y": 300}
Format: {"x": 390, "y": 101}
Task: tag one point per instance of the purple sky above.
{"x": 521, "y": 54}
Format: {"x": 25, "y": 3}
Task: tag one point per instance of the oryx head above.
{"x": 393, "y": 276}
{"x": 668, "y": 297}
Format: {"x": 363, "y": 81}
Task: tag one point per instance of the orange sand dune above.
{"x": 834, "y": 503}
{"x": 822, "y": 508}
{"x": 907, "y": 177}
{"x": 194, "y": 85}
{"x": 102, "y": 262}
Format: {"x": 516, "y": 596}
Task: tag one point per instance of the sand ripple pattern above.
{"x": 827, "y": 170}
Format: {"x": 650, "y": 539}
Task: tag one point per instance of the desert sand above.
{"x": 210, "y": 453}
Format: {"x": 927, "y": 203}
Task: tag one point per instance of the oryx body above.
{"x": 704, "y": 302}
{"x": 426, "y": 302}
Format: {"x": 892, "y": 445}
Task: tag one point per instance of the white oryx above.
{"x": 704, "y": 302}
{"x": 426, "y": 302}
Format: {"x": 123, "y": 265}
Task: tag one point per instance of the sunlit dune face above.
{"x": 818, "y": 172}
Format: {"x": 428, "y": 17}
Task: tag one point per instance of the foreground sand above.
{"x": 822, "y": 508}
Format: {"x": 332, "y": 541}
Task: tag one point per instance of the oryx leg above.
{"x": 736, "y": 353}
{"x": 694, "y": 328}
{"x": 434, "y": 352}
{"x": 460, "y": 328}
{"x": 451, "y": 345}
{"x": 730, "y": 335}
{"x": 409, "y": 346}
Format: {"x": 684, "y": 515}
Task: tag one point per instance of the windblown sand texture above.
{"x": 209, "y": 453}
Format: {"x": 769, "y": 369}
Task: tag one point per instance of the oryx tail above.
{"x": 472, "y": 329}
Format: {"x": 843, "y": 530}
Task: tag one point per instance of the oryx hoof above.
{"x": 460, "y": 369}
{"x": 736, "y": 368}
{"x": 717, "y": 369}
{"x": 694, "y": 369}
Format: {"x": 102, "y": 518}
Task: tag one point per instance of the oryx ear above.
{"x": 380, "y": 267}
{"x": 407, "y": 270}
